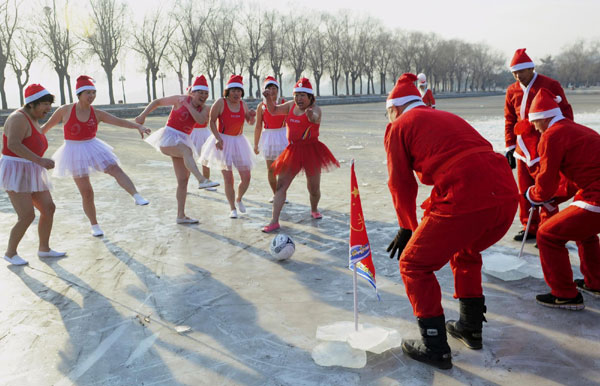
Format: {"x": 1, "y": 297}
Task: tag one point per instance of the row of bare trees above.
{"x": 215, "y": 38}
{"x": 577, "y": 65}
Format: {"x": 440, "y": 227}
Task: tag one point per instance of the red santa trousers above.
{"x": 525, "y": 180}
{"x": 582, "y": 226}
{"x": 458, "y": 239}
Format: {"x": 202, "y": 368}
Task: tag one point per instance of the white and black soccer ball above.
{"x": 282, "y": 247}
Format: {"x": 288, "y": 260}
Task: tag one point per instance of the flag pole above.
{"x": 355, "y": 300}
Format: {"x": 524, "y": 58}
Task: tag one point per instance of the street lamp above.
{"x": 122, "y": 80}
{"x": 162, "y": 77}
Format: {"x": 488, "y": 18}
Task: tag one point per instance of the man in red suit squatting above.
{"x": 472, "y": 205}
{"x": 522, "y": 144}
{"x": 571, "y": 149}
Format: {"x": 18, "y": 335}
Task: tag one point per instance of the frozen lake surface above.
{"x": 155, "y": 303}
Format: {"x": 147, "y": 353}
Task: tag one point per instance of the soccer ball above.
{"x": 282, "y": 247}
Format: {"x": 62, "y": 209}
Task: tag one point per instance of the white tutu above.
{"x": 23, "y": 176}
{"x": 199, "y": 136}
{"x": 272, "y": 143}
{"x": 236, "y": 152}
{"x": 168, "y": 136}
{"x": 81, "y": 158}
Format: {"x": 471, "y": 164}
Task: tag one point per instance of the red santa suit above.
{"x": 571, "y": 149}
{"x": 428, "y": 98}
{"x": 517, "y": 103}
{"x": 472, "y": 204}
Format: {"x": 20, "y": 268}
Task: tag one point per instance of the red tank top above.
{"x": 75, "y": 130}
{"x": 182, "y": 120}
{"x": 299, "y": 128}
{"x": 199, "y": 126}
{"x": 272, "y": 121}
{"x": 231, "y": 123}
{"x": 36, "y": 141}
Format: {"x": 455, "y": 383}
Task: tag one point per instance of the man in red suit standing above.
{"x": 472, "y": 205}
{"x": 426, "y": 94}
{"x": 522, "y": 143}
{"x": 571, "y": 149}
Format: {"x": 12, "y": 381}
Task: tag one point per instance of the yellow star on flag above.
{"x": 355, "y": 192}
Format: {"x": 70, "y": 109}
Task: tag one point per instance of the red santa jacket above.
{"x": 448, "y": 153}
{"x": 572, "y": 149}
{"x": 516, "y": 108}
{"x": 428, "y": 98}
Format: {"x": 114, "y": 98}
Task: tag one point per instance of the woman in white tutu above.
{"x": 175, "y": 139}
{"x": 272, "y": 139}
{"x": 201, "y": 133}
{"x": 228, "y": 147}
{"x": 83, "y": 154}
{"x": 23, "y": 172}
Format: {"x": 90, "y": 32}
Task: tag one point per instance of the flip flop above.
{"x": 270, "y": 228}
{"x": 316, "y": 215}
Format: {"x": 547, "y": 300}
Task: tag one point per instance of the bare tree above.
{"x": 238, "y": 56}
{"x": 254, "y": 28}
{"x": 221, "y": 38}
{"x": 298, "y": 34}
{"x": 8, "y": 26}
{"x": 317, "y": 57}
{"x": 210, "y": 65}
{"x": 333, "y": 38}
{"x": 107, "y": 35}
{"x": 151, "y": 41}
{"x": 21, "y": 58}
{"x": 276, "y": 47}
{"x": 58, "y": 46}
{"x": 176, "y": 56}
{"x": 192, "y": 16}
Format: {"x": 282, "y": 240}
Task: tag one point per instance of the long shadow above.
{"x": 96, "y": 350}
{"x": 215, "y": 312}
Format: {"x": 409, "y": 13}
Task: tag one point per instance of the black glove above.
{"x": 399, "y": 242}
{"x": 510, "y": 156}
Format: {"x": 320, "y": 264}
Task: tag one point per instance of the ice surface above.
{"x": 338, "y": 331}
{"x": 355, "y": 147}
{"x": 339, "y": 354}
{"x": 375, "y": 339}
{"x": 183, "y": 329}
{"x": 507, "y": 267}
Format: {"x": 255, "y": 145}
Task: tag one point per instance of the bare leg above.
{"x": 271, "y": 176}
{"x": 229, "y": 190}
{"x": 87, "y": 197}
{"x": 23, "y": 205}
{"x": 122, "y": 179}
{"x": 283, "y": 183}
{"x": 183, "y": 175}
{"x": 43, "y": 202}
{"x": 184, "y": 152}
{"x": 206, "y": 172}
{"x": 244, "y": 183}
{"x": 313, "y": 183}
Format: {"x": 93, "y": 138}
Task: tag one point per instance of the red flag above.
{"x": 360, "y": 249}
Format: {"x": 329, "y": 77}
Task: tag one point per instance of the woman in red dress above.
{"x": 304, "y": 153}
{"x": 23, "y": 172}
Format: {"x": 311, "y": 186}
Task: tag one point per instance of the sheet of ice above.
{"x": 355, "y": 147}
{"x": 508, "y": 267}
{"x": 338, "y": 331}
{"x": 339, "y": 354}
{"x": 375, "y": 339}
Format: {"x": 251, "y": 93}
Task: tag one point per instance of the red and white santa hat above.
{"x": 404, "y": 91}
{"x": 421, "y": 80}
{"x": 84, "y": 82}
{"x": 544, "y": 105}
{"x": 200, "y": 84}
{"x": 235, "y": 81}
{"x": 270, "y": 80}
{"x": 521, "y": 60}
{"x": 34, "y": 92}
{"x": 303, "y": 85}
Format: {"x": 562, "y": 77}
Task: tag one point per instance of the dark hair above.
{"x": 45, "y": 98}
{"x": 226, "y": 92}
{"x": 81, "y": 92}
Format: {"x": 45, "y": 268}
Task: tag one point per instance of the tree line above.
{"x": 353, "y": 52}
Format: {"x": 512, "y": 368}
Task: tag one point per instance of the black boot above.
{"x": 433, "y": 349}
{"x": 468, "y": 328}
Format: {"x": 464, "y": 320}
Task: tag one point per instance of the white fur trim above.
{"x": 303, "y": 89}
{"x": 232, "y": 85}
{"x": 83, "y": 88}
{"x": 412, "y": 106}
{"x": 36, "y": 96}
{"x": 527, "y": 159}
{"x": 200, "y": 88}
{"x": 522, "y": 66}
{"x": 544, "y": 114}
{"x": 509, "y": 148}
{"x": 401, "y": 101}
{"x": 558, "y": 99}
{"x": 270, "y": 82}
{"x": 530, "y": 199}
{"x": 586, "y": 206}
{"x": 526, "y": 95}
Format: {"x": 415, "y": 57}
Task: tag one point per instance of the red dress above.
{"x": 305, "y": 151}
{"x": 182, "y": 120}
{"x": 75, "y": 130}
{"x": 36, "y": 141}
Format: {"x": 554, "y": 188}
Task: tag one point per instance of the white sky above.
{"x": 542, "y": 26}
